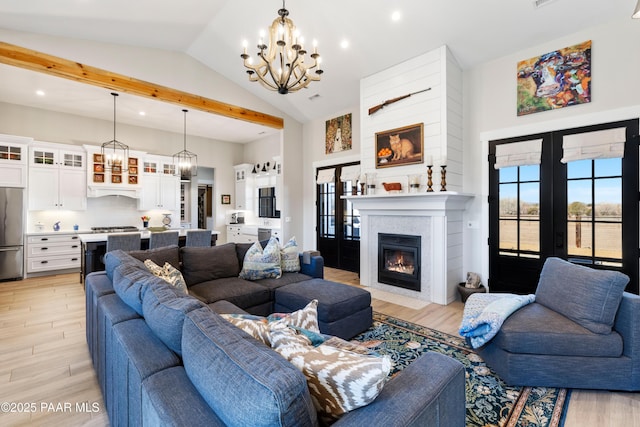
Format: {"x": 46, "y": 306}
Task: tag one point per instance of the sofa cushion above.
{"x": 129, "y": 280}
{"x": 113, "y": 259}
{"x": 289, "y": 257}
{"x": 243, "y": 293}
{"x": 585, "y": 295}
{"x": 170, "y": 254}
{"x": 339, "y": 380}
{"x": 164, "y": 308}
{"x": 536, "y": 329}
{"x": 285, "y": 279}
{"x": 169, "y": 274}
{"x": 243, "y": 381}
{"x": 201, "y": 264}
{"x": 262, "y": 263}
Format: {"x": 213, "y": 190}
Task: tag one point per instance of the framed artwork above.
{"x": 98, "y": 177}
{"x": 554, "y": 80}
{"x": 338, "y": 134}
{"x": 399, "y": 147}
{"x": 98, "y": 167}
{"x": 133, "y": 161}
{"x": 116, "y": 169}
{"x": 97, "y": 158}
{"x": 133, "y": 170}
{"x": 133, "y": 179}
{"x": 116, "y": 179}
{"x": 225, "y": 199}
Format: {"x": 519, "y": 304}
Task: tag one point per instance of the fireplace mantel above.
{"x": 437, "y": 217}
{"x": 438, "y": 201}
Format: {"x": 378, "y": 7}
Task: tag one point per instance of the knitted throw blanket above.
{"x": 484, "y": 314}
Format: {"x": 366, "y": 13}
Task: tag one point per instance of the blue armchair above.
{"x": 583, "y": 331}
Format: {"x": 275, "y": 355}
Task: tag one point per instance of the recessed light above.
{"x": 344, "y": 44}
{"x": 142, "y": 113}
{"x": 395, "y": 16}
{"x": 40, "y": 93}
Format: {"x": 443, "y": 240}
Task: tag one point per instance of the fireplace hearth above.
{"x": 399, "y": 260}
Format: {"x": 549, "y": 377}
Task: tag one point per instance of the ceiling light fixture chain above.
{"x": 114, "y": 152}
{"x": 185, "y": 162}
{"x": 281, "y": 65}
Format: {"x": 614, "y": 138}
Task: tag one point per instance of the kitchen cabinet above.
{"x": 51, "y": 252}
{"x": 245, "y": 187}
{"x": 160, "y": 187}
{"x": 242, "y": 233}
{"x": 57, "y": 177}
{"x": 13, "y": 161}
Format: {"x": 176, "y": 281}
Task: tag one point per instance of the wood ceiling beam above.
{"x": 37, "y": 61}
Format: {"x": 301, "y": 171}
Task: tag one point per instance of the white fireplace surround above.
{"x": 436, "y": 217}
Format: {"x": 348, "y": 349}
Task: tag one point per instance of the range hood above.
{"x": 102, "y": 191}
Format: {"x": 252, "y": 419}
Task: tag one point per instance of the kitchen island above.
{"x": 94, "y": 246}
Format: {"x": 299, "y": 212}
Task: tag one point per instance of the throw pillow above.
{"x": 262, "y": 263}
{"x": 339, "y": 380}
{"x": 585, "y": 295}
{"x": 201, "y": 264}
{"x": 259, "y": 327}
{"x": 289, "y": 257}
{"x": 168, "y": 273}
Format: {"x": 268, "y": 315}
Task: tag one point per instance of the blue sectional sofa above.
{"x": 166, "y": 358}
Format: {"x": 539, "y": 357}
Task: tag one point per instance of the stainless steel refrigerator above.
{"x": 11, "y": 233}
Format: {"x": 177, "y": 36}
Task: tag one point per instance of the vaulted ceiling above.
{"x": 212, "y": 32}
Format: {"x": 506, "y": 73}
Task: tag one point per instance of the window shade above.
{"x": 350, "y": 173}
{"x": 601, "y": 144}
{"x": 326, "y": 176}
{"x": 518, "y": 153}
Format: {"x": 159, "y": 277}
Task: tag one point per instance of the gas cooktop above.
{"x": 114, "y": 229}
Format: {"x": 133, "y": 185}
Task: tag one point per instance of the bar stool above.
{"x": 165, "y": 238}
{"x": 198, "y": 238}
{"x": 124, "y": 241}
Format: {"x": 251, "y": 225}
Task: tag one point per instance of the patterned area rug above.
{"x": 490, "y": 402}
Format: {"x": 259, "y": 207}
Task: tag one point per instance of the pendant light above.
{"x": 185, "y": 162}
{"x": 636, "y": 12}
{"x": 114, "y": 152}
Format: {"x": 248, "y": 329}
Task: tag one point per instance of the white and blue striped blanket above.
{"x": 484, "y": 314}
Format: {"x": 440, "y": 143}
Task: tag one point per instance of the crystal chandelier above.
{"x": 185, "y": 162}
{"x": 114, "y": 152}
{"x": 281, "y": 64}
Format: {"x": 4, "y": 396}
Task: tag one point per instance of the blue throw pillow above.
{"x": 585, "y": 295}
{"x": 262, "y": 263}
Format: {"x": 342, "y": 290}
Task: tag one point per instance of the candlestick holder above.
{"x": 443, "y": 178}
{"x": 429, "y": 179}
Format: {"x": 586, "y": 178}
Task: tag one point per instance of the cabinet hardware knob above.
{"x": 44, "y": 262}
{"x": 44, "y": 249}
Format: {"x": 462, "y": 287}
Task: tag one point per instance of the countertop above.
{"x": 144, "y": 234}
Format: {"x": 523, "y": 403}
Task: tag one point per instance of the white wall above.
{"x": 490, "y": 111}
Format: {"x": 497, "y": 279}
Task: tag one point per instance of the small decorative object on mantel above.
{"x": 429, "y": 174}
{"x": 392, "y": 186}
{"x": 414, "y": 183}
{"x": 443, "y": 175}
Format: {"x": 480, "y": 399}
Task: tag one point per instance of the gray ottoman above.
{"x": 343, "y": 311}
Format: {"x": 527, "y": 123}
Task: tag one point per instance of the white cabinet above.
{"x": 53, "y": 252}
{"x": 242, "y": 233}
{"x": 160, "y": 187}
{"x": 57, "y": 177}
{"x": 245, "y": 187}
{"x": 13, "y": 161}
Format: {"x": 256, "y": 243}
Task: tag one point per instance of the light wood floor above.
{"x": 45, "y": 365}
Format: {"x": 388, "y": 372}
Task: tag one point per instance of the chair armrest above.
{"x": 315, "y": 267}
{"x": 429, "y": 392}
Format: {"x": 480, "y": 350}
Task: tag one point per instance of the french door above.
{"x": 584, "y": 211}
{"x": 338, "y": 229}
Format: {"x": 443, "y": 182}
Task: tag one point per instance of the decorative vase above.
{"x": 145, "y": 224}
